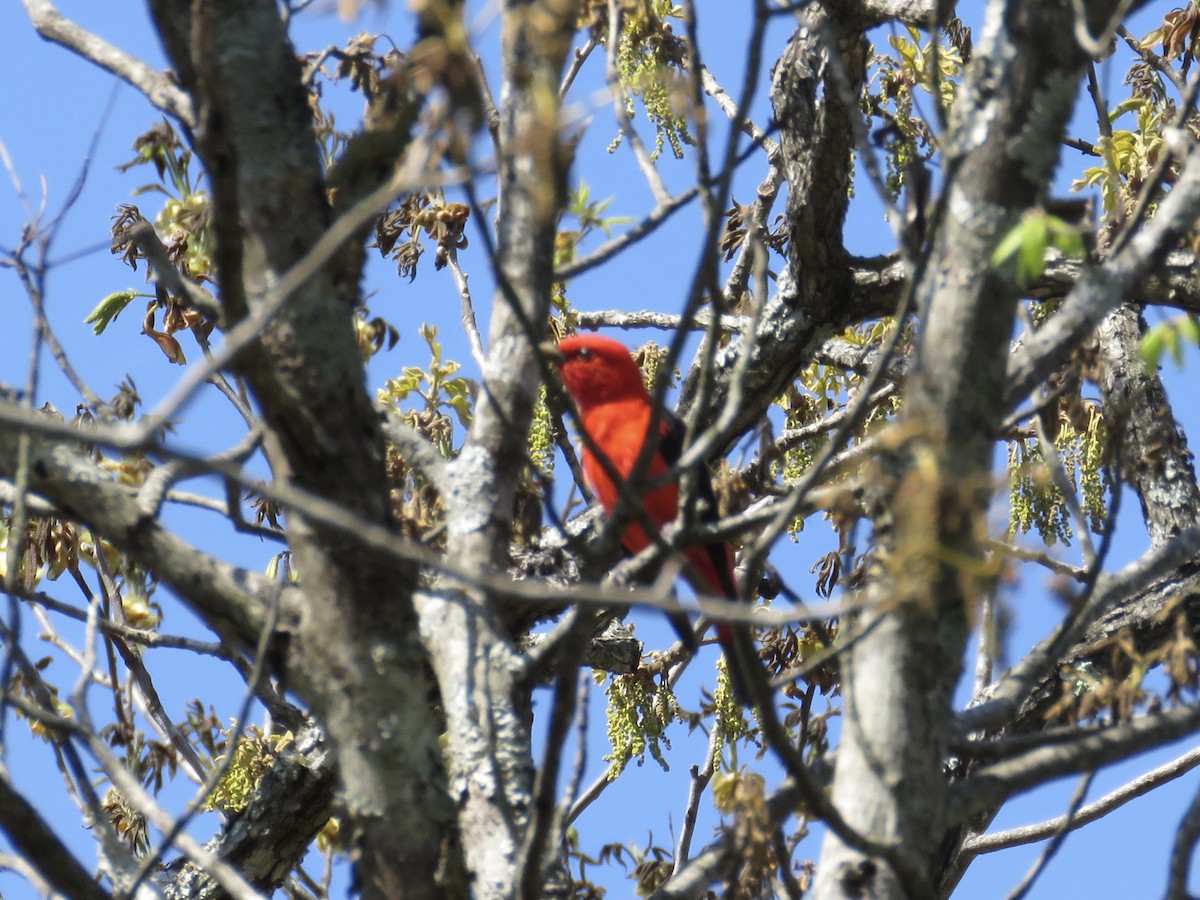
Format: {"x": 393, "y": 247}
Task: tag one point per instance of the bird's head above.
{"x": 597, "y": 370}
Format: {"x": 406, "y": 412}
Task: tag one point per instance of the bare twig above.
{"x": 313, "y": 67}
{"x": 611, "y": 248}
{"x": 699, "y": 321}
{"x": 991, "y": 785}
{"x": 157, "y": 88}
{"x": 146, "y": 239}
{"x": 1143, "y": 784}
{"x": 1041, "y": 558}
{"x": 590, "y": 795}
{"x": 698, "y": 782}
{"x": 794, "y": 436}
{"x": 1056, "y": 841}
{"x": 1186, "y": 837}
{"x": 39, "y": 845}
{"x": 127, "y": 632}
{"x": 42, "y": 709}
{"x": 1160, "y": 65}
{"x": 385, "y": 540}
{"x": 1097, "y": 45}
{"x": 578, "y": 58}
{"x": 219, "y": 771}
{"x": 131, "y": 789}
{"x": 470, "y": 327}
{"x": 151, "y": 704}
{"x": 728, "y": 106}
{"x": 1110, "y": 590}
{"x": 544, "y": 812}
{"x": 581, "y": 727}
{"x": 985, "y": 651}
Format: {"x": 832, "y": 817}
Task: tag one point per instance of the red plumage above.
{"x": 616, "y": 411}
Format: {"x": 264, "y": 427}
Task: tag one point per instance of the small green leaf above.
{"x": 1027, "y": 241}
{"x": 1189, "y": 329}
{"x": 108, "y": 309}
{"x": 1008, "y": 246}
{"x": 1070, "y": 243}
{"x": 1032, "y": 260}
{"x": 1151, "y": 348}
{"x": 1170, "y": 336}
{"x": 461, "y": 404}
{"x": 1065, "y": 237}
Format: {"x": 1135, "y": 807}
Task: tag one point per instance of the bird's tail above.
{"x": 683, "y": 627}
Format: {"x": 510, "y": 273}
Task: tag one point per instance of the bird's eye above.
{"x": 584, "y": 353}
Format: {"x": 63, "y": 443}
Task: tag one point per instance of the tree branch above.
{"x": 33, "y": 839}
{"x": 157, "y": 88}
{"x": 991, "y": 785}
{"x": 1085, "y": 815}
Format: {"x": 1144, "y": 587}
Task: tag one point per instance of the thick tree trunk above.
{"x": 900, "y": 675}
{"x": 358, "y": 637}
{"x": 485, "y": 698}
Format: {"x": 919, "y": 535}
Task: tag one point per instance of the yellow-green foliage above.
{"x": 727, "y": 711}
{"x": 541, "y": 436}
{"x": 890, "y": 96}
{"x": 440, "y": 390}
{"x": 1169, "y": 336}
{"x": 1035, "y": 501}
{"x": 824, "y": 389}
{"x": 1129, "y": 155}
{"x": 651, "y": 357}
{"x": 109, "y": 308}
{"x": 1091, "y": 471}
{"x": 185, "y": 221}
{"x": 331, "y": 838}
{"x": 638, "y": 714}
{"x": 1024, "y": 247}
{"x": 649, "y": 58}
{"x": 590, "y": 216}
{"x": 743, "y": 796}
{"x": 253, "y": 758}
{"x": 917, "y": 61}
{"x": 140, "y": 610}
{"x": 798, "y": 410}
{"x": 565, "y": 245}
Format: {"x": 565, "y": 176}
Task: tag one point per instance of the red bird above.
{"x": 616, "y": 411}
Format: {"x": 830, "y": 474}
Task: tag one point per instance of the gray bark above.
{"x": 271, "y": 836}
{"x": 484, "y": 691}
{"x": 900, "y": 677}
{"x": 439, "y": 781}
{"x": 816, "y": 137}
{"x": 358, "y": 642}
{"x": 1151, "y": 448}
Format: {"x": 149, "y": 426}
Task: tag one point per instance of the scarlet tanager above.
{"x": 616, "y": 412}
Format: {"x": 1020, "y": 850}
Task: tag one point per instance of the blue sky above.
{"x": 64, "y": 104}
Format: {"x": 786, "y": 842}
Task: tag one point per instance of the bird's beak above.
{"x": 550, "y": 350}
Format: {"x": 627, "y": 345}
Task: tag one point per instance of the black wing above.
{"x": 671, "y": 448}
